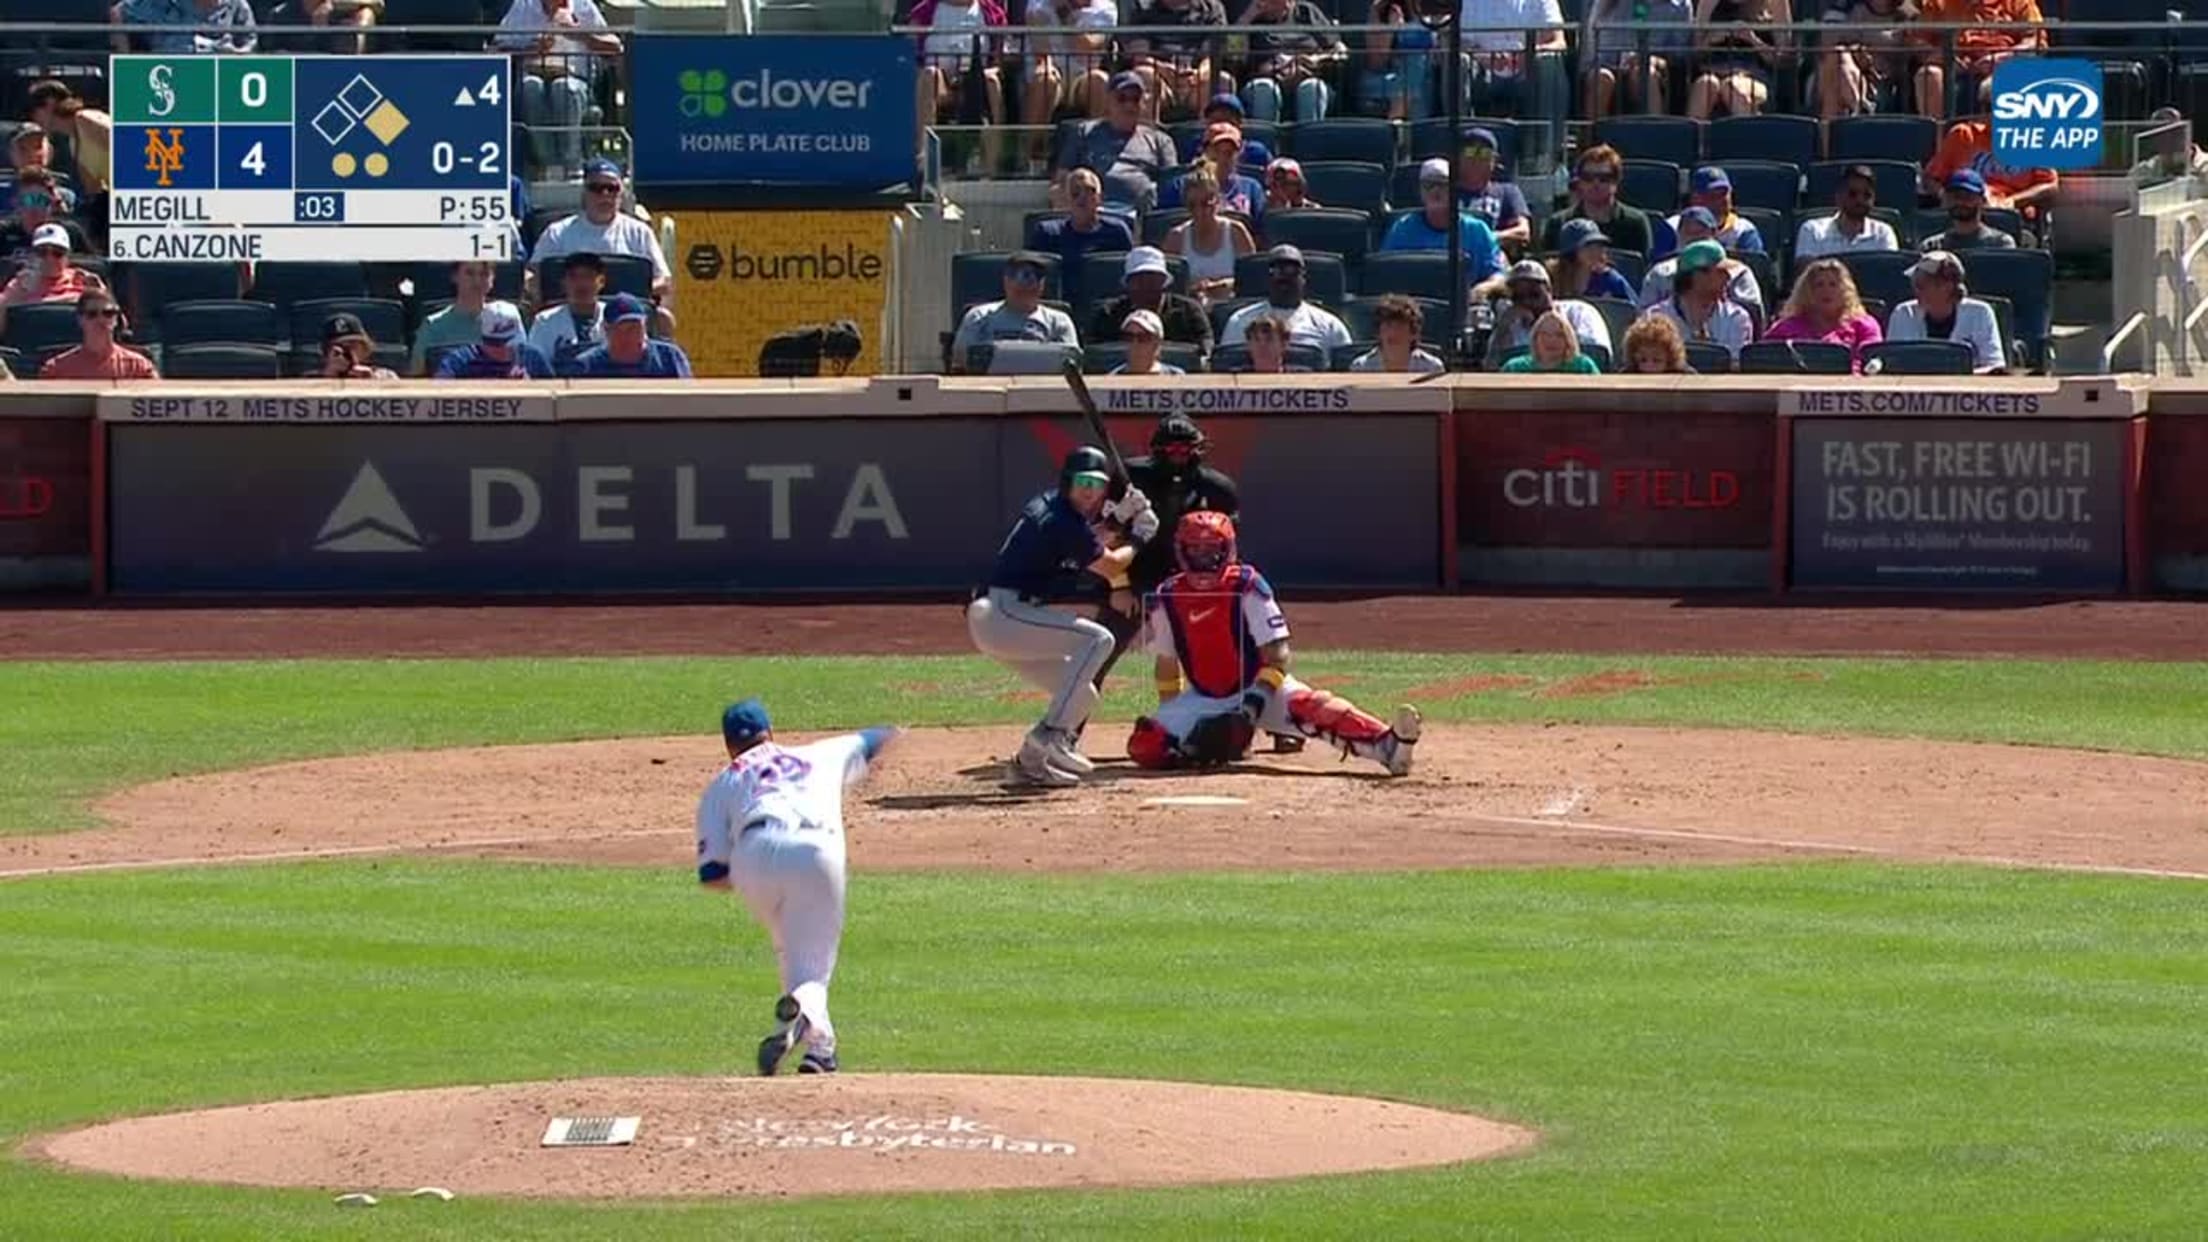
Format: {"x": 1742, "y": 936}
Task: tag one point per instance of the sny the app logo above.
{"x": 164, "y": 158}
{"x": 2047, "y": 113}
{"x": 164, "y": 96}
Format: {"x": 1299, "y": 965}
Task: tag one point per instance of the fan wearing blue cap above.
{"x": 1583, "y": 264}
{"x": 601, "y": 227}
{"x": 1965, "y": 197}
{"x": 770, "y": 826}
{"x": 628, "y": 351}
{"x": 1712, "y": 190}
{"x": 499, "y": 352}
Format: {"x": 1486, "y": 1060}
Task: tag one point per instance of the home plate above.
{"x": 1196, "y": 800}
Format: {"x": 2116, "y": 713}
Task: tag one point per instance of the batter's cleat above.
{"x": 1402, "y": 737}
{"x": 789, "y": 1030}
{"x": 1062, "y": 754}
{"x": 817, "y": 1063}
{"x": 1287, "y": 744}
{"x": 1036, "y": 766}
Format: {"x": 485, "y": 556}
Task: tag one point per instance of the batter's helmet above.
{"x": 1087, "y": 459}
{"x": 1204, "y": 542}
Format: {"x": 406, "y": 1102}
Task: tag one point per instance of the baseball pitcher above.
{"x": 1217, "y": 623}
{"x": 1058, "y": 555}
{"x": 770, "y": 826}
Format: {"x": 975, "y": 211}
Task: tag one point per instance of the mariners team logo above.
{"x": 160, "y": 91}
{"x": 368, "y": 519}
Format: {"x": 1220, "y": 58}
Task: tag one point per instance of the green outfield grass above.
{"x": 1821, "y": 1051}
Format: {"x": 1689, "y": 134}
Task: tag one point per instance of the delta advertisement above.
{"x": 828, "y": 112}
{"x": 45, "y": 503}
{"x": 1624, "y": 498}
{"x": 1959, "y": 503}
{"x": 815, "y": 505}
{"x": 743, "y": 277}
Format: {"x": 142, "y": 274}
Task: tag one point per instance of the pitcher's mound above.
{"x": 848, "y": 1134}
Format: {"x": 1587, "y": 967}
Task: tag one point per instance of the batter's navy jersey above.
{"x": 1048, "y": 550}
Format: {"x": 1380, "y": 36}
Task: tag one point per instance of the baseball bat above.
{"x": 1095, "y": 419}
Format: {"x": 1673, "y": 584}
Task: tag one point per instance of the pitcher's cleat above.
{"x": 1403, "y": 736}
{"x": 815, "y": 1063}
{"x": 789, "y": 1029}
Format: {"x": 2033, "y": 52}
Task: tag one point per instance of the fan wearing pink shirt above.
{"x": 1825, "y": 307}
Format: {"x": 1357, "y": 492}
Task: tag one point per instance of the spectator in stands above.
{"x": 1285, "y": 187}
{"x": 30, "y": 148}
{"x": 1239, "y": 192}
{"x": 1976, "y": 52}
{"x": 1582, "y": 268}
{"x": 628, "y": 352}
{"x": 100, "y": 356}
{"x": 85, "y": 136}
{"x": 563, "y": 46}
{"x": 1531, "y": 297}
{"x": 1307, "y": 323}
{"x": 348, "y": 352}
{"x": 1826, "y": 307}
{"x": 602, "y": 228}
{"x": 1864, "y": 62}
{"x": 1697, "y": 224}
{"x": 1428, "y": 227}
{"x": 1711, "y": 189}
{"x": 1176, "y": 67}
{"x": 1595, "y": 197}
{"x": 1551, "y": 347}
{"x": 1966, "y": 217}
{"x": 578, "y": 322}
{"x": 1398, "y": 64}
{"x": 1653, "y": 346}
{"x": 1148, "y": 283}
{"x": 1699, "y": 307}
{"x": 1209, "y": 241}
{"x": 1129, "y": 153}
{"x": 1399, "y": 322}
{"x": 1483, "y": 191}
{"x": 1267, "y": 336}
{"x": 1943, "y": 310}
{"x": 49, "y": 276}
{"x": 350, "y": 17}
{"x": 194, "y": 25}
{"x": 1019, "y": 316}
{"x": 1083, "y": 230}
{"x": 499, "y": 351}
{"x": 1295, "y": 59}
{"x": 1145, "y": 336}
{"x": 37, "y": 206}
{"x": 1969, "y": 144}
{"x": 1852, "y": 229}
{"x": 461, "y": 323}
{"x": 1224, "y": 108}
{"x": 958, "y": 60}
{"x": 1639, "y": 62}
{"x": 1065, "y": 71}
{"x": 2176, "y": 156}
{"x": 1741, "y": 42}
{"x": 1498, "y": 81}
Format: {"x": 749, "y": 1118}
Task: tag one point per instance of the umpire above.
{"x": 1177, "y": 481}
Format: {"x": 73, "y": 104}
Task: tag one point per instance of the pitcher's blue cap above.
{"x": 745, "y": 722}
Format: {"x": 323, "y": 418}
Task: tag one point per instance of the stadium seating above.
{"x": 1617, "y": 314}
{"x": 1708, "y": 359}
{"x": 1228, "y": 359}
{"x": 1101, "y": 357}
{"x": 1787, "y": 139}
{"x": 41, "y": 327}
{"x": 1631, "y": 264}
{"x": 1881, "y": 275}
{"x": 1418, "y": 273}
{"x": 1343, "y": 231}
{"x": 1223, "y": 310}
{"x": 1795, "y": 358}
{"x": 1019, "y": 357}
{"x": 1884, "y": 136}
{"x": 432, "y": 282}
{"x": 2026, "y": 278}
{"x": 1363, "y": 139}
{"x": 1435, "y": 138}
{"x": 1897, "y": 182}
{"x": 147, "y": 287}
{"x": 230, "y": 321}
{"x": 1651, "y": 185}
{"x": 1765, "y": 269}
{"x": 285, "y": 283}
{"x": 629, "y": 274}
{"x": 1349, "y": 185}
{"x": 1768, "y": 184}
{"x": 383, "y": 319}
{"x": 1359, "y": 315}
{"x": 1672, "y": 139}
{"x": 221, "y": 362}
{"x": 1326, "y": 277}
{"x": 1919, "y": 357}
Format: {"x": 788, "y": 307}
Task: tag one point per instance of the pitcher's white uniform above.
{"x": 774, "y": 818}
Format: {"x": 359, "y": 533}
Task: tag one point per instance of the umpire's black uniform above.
{"x": 1177, "y": 482}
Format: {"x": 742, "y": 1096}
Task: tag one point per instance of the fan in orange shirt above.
{"x": 1969, "y": 144}
{"x": 1976, "y": 51}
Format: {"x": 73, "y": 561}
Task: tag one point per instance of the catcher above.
{"x": 1217, "y": 622}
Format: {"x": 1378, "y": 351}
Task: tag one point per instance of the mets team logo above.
{"x": 164, "y": 158}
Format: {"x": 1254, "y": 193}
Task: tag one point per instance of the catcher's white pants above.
{"x": 1055, "y": 651}
{"x": 793, "y": 880}
{"x": 1183, "y": 711}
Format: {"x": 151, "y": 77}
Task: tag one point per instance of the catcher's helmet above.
{"x": 1087, "y": 459}
{"x": 1204, "y": 542}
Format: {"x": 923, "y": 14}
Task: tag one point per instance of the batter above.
{"x": 770, "y": 826}
{"x": 1217, "y": 622}
{"x": 1056, "y": 558}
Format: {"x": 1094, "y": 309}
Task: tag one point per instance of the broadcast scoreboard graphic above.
{"x": 311, "y": 158}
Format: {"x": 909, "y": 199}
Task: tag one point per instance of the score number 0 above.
{"x": 253, "y": 92}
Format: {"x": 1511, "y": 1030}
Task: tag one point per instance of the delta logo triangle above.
{"x": 368, "y": 519}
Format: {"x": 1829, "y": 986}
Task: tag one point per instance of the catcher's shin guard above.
{"x": 1334, "y": 719}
